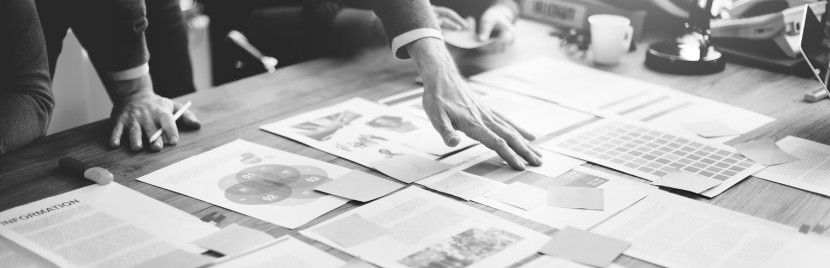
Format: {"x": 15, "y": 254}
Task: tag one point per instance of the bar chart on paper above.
{"x": 650, "y": 154}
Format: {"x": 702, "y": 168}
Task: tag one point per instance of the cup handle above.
{"x": 629, "y": 35}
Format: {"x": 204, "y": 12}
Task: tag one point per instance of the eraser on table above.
{"x": 77, "y": 167}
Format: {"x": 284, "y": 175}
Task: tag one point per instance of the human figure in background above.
{"x": 413, "y": 29}
{"x": 450, "y": 104}
{"x": 168, "y": 43}
{"x": 26, "y": 100}
{"x": 112, "y": 31}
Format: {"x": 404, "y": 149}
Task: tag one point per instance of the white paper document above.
{"x": 537, "y": 116}
{"x": 641, "y": 150}
{"x": 674, "y": 231}
{"x": 423, "y": 229}
{"x": 810, "y": 173}
{"x": 620, "y": 193}
{"x": 368, "y": 133}
{"x": 476, "y": 172}
{"x": 256, "y": 180}
{"x": 101, "y": 226}
{"x": 14, "y": 255}
{"x": 363, "y": 131}
{"x": 554, "y": 262}
{"x": 458, "y": 181}
{"x": 607, "y": 94}
{"x": 287, "y": 251}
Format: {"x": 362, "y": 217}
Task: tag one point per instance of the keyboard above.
{"x": 648, "y": 153}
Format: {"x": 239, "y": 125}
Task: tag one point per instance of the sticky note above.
{"x": 351, "y": 230}
{"x": 766, "y": 152}
{"x": 584, "y": 247}
{"x": 234, "y": 239}
{"x": 409, "y": 168}
{"x": 710, "y": 129}
{"x": 177, "y": 259}
{"x": 686, "y": 181}
{"x": 360, "y": 186}
{"x": 576, "y": 197}
{"x": 519, "y": 194}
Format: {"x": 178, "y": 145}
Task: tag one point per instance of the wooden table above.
{"x": 236, "y": 110}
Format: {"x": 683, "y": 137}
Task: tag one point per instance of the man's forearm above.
{"x": 433, "y": 59}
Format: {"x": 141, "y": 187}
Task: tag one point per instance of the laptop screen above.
{"x": 814, "y": 49}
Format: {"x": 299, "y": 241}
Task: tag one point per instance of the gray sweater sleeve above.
{"x": 25, "y": 96}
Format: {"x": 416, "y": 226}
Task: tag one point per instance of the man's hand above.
{"x": 452, "y": 107}
{"x": 141, "y": 112}
{"x": 497, "y": 22}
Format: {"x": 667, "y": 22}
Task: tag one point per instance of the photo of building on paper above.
{"x": 463, "y": 249}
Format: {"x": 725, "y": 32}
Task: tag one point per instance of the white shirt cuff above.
{"x": 411, "y": 36}
{"x": 129, "y": 74}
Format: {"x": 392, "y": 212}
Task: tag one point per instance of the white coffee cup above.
{"x": 610, "y": 37}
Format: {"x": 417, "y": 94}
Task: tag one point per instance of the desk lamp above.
{"x": 691, "y": 53}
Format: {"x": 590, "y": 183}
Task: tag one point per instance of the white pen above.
{"x": 176, "y": 116}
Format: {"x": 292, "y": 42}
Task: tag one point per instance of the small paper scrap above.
{"x": 360, "y": 186}
{"x": 710, "y": 129}
{"x": 584, "y": 247}
{"x": 519, "y": 194}
{"x": 351, "y": 230}
{"x": 686, "y": 181}
{"x": 766, "y": 152}
{"x": 576, "y": 197}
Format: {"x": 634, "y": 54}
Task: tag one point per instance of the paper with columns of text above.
{"x": 538, "y": 117}
{"x": 674, "y": 231}
{"x": 608, "y": 94}
{"x": 810, "y": 173}
{"x": 287, "y": 251}
{"x": 70, "y": 229}
{"x": 424, "y": 229}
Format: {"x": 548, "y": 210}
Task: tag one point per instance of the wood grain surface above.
{"x": 236, "y": 110}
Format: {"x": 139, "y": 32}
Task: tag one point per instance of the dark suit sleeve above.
{"x": 404, "y": 16}
{"x": 401, "y": 17}
{"x": 112, "y": 31}
{"x": 25, "y": 97}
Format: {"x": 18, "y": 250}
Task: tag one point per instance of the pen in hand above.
{"x": 176, "y": 116}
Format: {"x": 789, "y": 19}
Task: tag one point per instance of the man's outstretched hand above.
{"x": 452, "y": 107}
